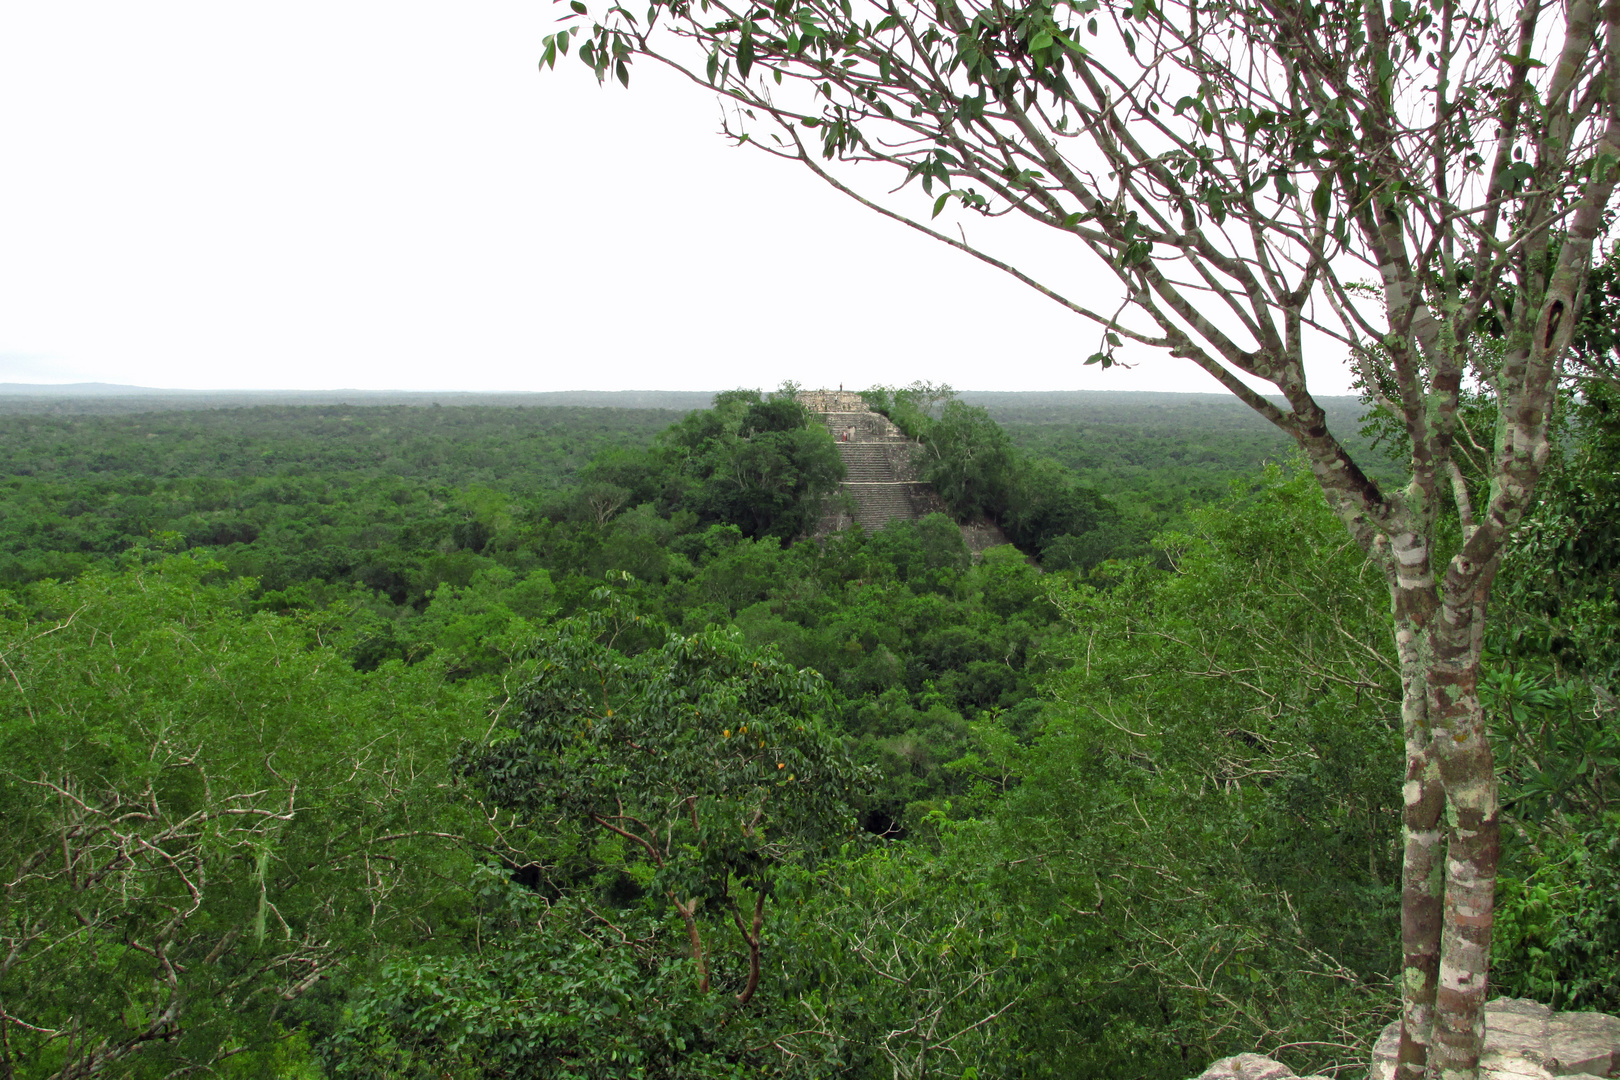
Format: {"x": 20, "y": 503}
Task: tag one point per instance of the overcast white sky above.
{"x": 390, "y": 196}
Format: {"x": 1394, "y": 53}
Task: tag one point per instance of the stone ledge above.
{"x": 1524, "y": 1040}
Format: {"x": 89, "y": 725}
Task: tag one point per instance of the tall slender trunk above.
{"x": 1422, "y": 870}
{"x": 1446, "y": 903}
{"x": 1473, "y": 837}
{"x": 1408, "y": 561}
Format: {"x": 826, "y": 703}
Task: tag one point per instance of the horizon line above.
{"x": 132, "y": 389}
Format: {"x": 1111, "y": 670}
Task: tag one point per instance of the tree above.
{"x": 1232, "y": 702}
{"x": 911, "y": 408}
{"x": 557, "y": 988}
{"x": 762, "y": 464}
{"x": 1242, "y": 167}
{"x": 205, "y": 815}
{"x": 890, "y": 964}
{"x": 969, "y": 461}
{"x": 1596, "y": 348}
{"x": 972, "y": 464}
{"x": 705, "y": 759}
{"x": 1553, "y": 661}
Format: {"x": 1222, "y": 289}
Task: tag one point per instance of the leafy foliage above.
{"x": 973, "y": 465}
{"x": 557, "y": 989}
{"x": 1241, "y": 158}
{"x": 706, "y": 759}
{"x": 205, "y": 815}
{"x": 1133, "y": 817}
{"x": 1551, "y": 692}
{"x": 1222, "y": 737}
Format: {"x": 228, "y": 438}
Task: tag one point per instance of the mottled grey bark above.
{"x": 1422, "y": 869}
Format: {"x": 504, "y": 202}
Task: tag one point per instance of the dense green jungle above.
{"x": 479, "y": 739}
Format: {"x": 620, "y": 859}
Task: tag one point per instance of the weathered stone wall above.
{"x": 823, "y": 401}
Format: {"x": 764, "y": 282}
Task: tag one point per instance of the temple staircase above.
{"x": 882, "y": 479}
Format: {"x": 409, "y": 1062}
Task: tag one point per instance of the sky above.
{"x": 372, "y": 195}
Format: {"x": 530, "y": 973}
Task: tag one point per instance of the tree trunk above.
{"x": 1473, "y": 838}
{"x": 689, "y": 917}
{"x": 1422, "y": 871}
{"x": 1406, "y": 557}
{"x": 1446, "y": 905}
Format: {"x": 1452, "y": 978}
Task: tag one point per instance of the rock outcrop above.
{"x": 1251, "y": 1067}
{"x": 1524, "y": 1040}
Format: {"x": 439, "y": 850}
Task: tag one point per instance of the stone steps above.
{"x": 877, "y": 504}
{"x": 869, "y": 469}
{"x": 862, "y": 427}
{"x": 868, "y": 462}
{"x": 879, "y": 476}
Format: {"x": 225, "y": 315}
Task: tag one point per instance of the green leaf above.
{"x": 939, "y": 204}
{"x": 1322, "y": 199}
{"x": 745, "y": 54}
{"x": 577, "y": 6}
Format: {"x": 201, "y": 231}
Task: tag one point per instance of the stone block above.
{"x": 1247, "y": 1067}
{"x": 1384, "y": 1051}
{"x": 1495, "y": 1064}
{"x": 1583, "y": 1044}
{"x": 1517, "y": 1026}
